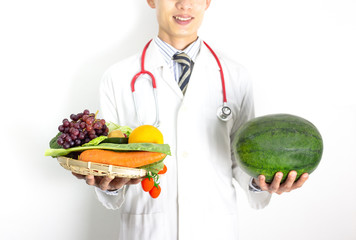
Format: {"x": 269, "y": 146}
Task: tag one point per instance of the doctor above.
{"x": 198, "y": 198}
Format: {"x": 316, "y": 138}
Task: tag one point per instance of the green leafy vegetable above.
{"x": 95, "y": 141}
{"x": 154, "y": 167}
{"x": 150, "y": 147}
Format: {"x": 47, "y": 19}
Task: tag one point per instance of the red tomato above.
{"x": 155, "y": 191}
{"x": 164, "y": 170}
{"x": 147, "y": 184}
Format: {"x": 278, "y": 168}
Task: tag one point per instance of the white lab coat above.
{"x": 198, "y": 198}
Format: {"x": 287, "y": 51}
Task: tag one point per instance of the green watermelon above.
{"x": 278, "y": 143}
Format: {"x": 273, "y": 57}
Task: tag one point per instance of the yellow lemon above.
{"x": 146, "y": 134}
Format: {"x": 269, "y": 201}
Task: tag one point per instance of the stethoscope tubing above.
{"x": 221, "y": 111}
{"x": 143, "y": 71}
{"x": 221, "y": 72}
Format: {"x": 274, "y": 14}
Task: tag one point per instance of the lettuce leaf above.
{"x": 95, "y": 141}
{"x": 150, "y": 147}
{"x": 154, "y": 167}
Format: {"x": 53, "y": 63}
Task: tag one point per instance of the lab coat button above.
{"x": 185, "y": 154}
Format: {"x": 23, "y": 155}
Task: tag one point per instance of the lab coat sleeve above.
{"x": 257, "y": 200}
{"x": 109, "y": 113}
{"x": 109, "y": 201}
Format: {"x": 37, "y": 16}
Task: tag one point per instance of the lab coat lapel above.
{"x": 155, "y": 63}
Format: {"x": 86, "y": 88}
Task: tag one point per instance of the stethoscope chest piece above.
{"x": 224, "y": 113}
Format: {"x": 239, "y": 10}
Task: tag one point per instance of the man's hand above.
{"x": 107, "y": 183}
{"x": 276, "y": 187}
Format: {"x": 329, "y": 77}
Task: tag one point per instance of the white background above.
{"x": 301, "y": 56}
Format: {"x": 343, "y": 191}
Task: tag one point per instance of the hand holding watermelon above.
{"x": 277, "y": 187}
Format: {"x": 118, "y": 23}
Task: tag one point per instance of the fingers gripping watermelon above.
{"x": 278, "y": 142}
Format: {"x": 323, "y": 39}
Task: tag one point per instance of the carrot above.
{"x": 123, "y": 159}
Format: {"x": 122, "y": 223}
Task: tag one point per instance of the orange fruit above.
{"x": 146, "y": 134}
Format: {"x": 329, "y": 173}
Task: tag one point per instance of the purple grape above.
{"x": 85, "y": 117}
{"x": 83, "y": 125}
{"x": 75, "y": 132}
{"x": 66, "y": 145}
{"x": 81, "y": 136}
{"x": 60, "y": 141}
{"x": 65, "y": 122}
{"x": 73, "y": 117}
{"x": 68, "y": 139}
{"x": 90, "y": 121}
{"x": 76, "y": 125}
{"x": 61, "y": 128}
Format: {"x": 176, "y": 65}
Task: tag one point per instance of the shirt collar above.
{"x": 168, "y": 51}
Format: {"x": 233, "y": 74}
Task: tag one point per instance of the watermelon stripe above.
{"x": 294, "y": 150}
{"x": 279, "y": 142}
{"x": 278, "y": 131}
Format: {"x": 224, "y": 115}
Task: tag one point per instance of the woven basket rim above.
{"x": 98, "y": 169}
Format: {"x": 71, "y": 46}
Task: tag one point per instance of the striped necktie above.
{"x": 187, "y": 68}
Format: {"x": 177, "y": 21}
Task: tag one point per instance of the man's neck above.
{"x": 176, "y": 42}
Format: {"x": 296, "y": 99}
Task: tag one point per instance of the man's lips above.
{"x": 183, "y": 19}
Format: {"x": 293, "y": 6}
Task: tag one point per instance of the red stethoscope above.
{"x": 223, "y": 112}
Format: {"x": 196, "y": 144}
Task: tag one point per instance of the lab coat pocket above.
{"x": 142, "y": 226}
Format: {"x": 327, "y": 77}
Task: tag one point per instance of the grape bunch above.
{"x": 82, "y": 128}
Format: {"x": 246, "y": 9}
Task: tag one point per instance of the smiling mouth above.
{"x": 183, "y": 19}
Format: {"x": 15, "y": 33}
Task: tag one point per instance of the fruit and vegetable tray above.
{"x": 87, "y": 145}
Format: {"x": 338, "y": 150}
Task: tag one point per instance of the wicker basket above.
{"x": 97, "y": 169}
